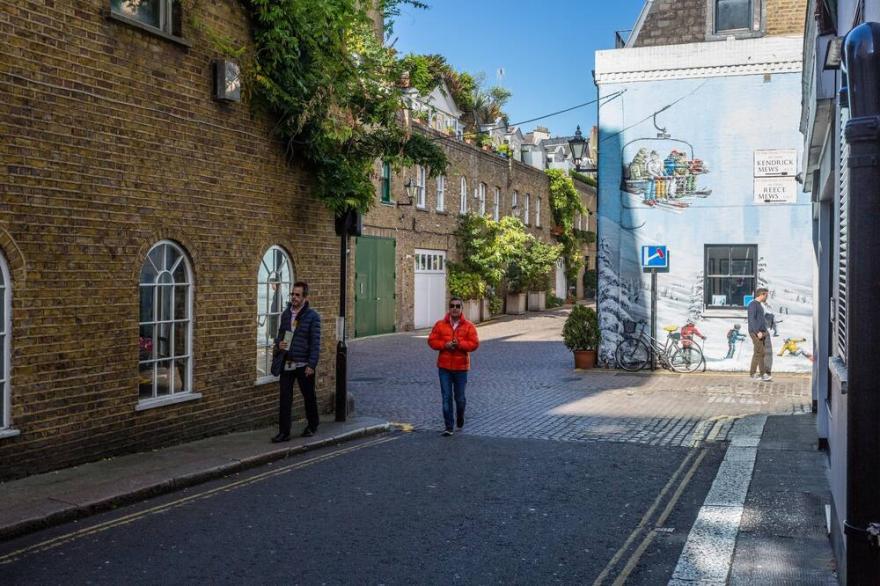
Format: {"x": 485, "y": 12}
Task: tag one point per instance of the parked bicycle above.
{"x": 633, "y": 353}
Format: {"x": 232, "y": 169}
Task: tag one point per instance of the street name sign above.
{"x": 775, "y": 190}
{"x": 776, "y": 163}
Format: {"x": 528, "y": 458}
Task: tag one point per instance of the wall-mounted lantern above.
{"x": 227, "y": 81}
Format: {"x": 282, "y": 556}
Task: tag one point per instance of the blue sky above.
{"x": 533, "y": 41}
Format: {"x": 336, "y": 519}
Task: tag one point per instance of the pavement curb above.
{"x": 75, "y": 512}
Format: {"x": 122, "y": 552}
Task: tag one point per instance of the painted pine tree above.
{"x": 695, "y": 309}
{"x": 614, "y": 300}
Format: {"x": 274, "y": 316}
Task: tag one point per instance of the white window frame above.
{"x": 267, "y": 275}
{"x": 6, "y": 355}
{"x": 514, "y": 204}
{"x": 755, "y": 28}
{"x": 441, "y": 193}
{"x": 481, "y": 195}
{"x": 385, "y": 182}
{"x": 166, "y": 14}
{"x": 420, "y": 187}
{"x": 463, "y": 204}
{"x": 538, "y": 202}
{"x": 496, "y": 209}
{"x": 526, "y": 210}
{"x": 186, "y": 393}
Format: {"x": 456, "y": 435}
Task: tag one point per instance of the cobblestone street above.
{"x": 522, "y": 384}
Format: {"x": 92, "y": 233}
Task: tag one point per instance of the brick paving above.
{"x": 523, "y": 385}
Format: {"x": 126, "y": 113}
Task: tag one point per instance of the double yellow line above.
{"x": 646, "y": 529}
{"x": 125, "y": 520}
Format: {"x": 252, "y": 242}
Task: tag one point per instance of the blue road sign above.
{"x": 655, "y": 257}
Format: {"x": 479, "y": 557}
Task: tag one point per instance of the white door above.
{"x": 430, "y": 298}
{"x": 561, "y": 289}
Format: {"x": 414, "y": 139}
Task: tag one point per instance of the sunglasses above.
{"x": 455, "y": 306}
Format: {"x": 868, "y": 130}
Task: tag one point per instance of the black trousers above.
{"x": 285, "y": 401}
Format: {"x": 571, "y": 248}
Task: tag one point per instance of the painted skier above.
{"x": 688, "y": 331}
{"x": 656, "y": 183}
{"x": 733, "y": 336}
{"x": 771, "y": 322}
{"x": 792, "y": 346}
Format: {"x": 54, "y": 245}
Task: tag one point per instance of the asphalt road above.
{"x": 558, "y": 477}
{"x": 401, "y": 508}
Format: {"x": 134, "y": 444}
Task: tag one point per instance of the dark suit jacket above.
{"x": 306, "y": 343}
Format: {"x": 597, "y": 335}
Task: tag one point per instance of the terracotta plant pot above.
{"x": 584, "y": 358}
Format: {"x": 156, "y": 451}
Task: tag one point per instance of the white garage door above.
{"x": 430, "y": 298}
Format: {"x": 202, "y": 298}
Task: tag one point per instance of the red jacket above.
{"x": 466, "y": 334}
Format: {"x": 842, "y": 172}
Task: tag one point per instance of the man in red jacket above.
{"x": 454, "y": 337}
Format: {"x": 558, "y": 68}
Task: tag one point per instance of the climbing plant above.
{"x": 565, "y": 204}
{"x": 321, "y": 70}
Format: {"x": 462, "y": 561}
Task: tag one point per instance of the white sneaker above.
{"x": 755, "y": 376}
{"x": 766, "y": 378}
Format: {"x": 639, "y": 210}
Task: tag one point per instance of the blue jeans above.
{"x": 452, "y": 382}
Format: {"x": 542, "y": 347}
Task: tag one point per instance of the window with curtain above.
{"x": 385, "y": 183}
{"x": 441, "y": 193}
{"x": 274, "y": 283}
{"x": 420, "y": 186}
{"x": 463, "y": 203}
{"x": 165, "y": 323}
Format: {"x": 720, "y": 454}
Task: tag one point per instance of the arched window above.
{"x": 165, "y": 342}
{"x": 274, "y": 282}
{"x": 5, "y": 334}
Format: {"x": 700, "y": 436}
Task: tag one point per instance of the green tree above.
{"x": 323, "y": 72}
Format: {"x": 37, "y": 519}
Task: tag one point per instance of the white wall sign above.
{"x": 775, "y": 190}
{"x": 776, "y": 163}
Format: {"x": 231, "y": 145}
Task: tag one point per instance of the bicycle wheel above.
{"x": 632, "y": 355}
{"x": 687, "y": 359}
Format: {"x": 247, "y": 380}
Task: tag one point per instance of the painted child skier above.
{"x": 733, "y": 336}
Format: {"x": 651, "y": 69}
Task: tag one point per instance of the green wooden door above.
{"x": 374, "y": 295}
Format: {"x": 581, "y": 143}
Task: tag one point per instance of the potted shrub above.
{"x": 469, "y": 286}
{"x": 581, "y": 335}
{"x": 516, "y": 296}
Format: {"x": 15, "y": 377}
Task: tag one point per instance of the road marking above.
{"x": 646, "y": 517}
{"x": 130, "y": 518}
{"x": 637, "y": 554}
{"x": 708, "y": 553}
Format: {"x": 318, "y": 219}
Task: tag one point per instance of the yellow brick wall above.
{"x": 427, "y": 228}
{"x": 786, "y": 17}
{"x": 111, "y": 142}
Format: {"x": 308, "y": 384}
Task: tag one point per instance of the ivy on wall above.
{"x": 565, "y": 204}
{"x": 321, "y": 70}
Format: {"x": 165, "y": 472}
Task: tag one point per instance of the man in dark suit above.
{"x": 300, "y": 360}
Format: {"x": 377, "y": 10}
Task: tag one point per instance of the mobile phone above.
{"x": 288, "y": 337}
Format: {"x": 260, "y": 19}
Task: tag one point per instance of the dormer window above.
{"x": 731, "y": 15}
{"x": 733, "y": 18}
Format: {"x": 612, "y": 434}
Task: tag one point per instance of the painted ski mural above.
{"x": 664, "y": 182}
{"x": 689, "y": 183}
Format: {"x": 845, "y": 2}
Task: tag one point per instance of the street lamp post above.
{"x": 578, "y": 146}
{"x": 348, "y": 223}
